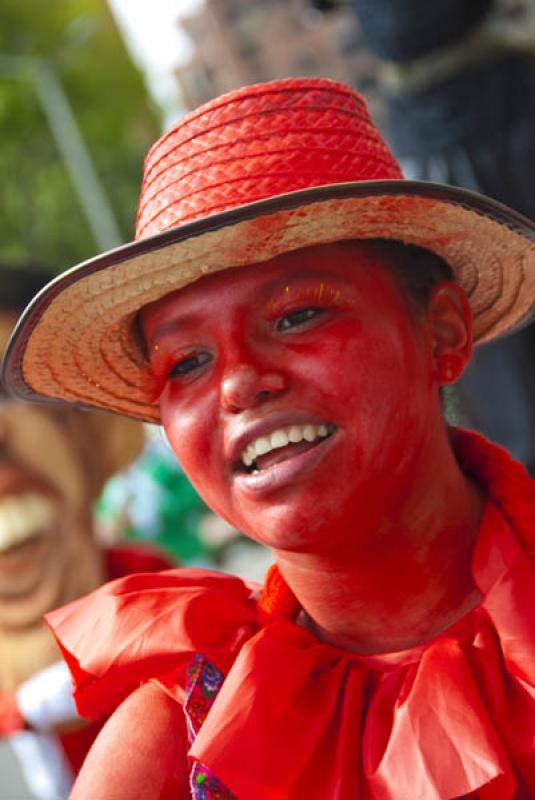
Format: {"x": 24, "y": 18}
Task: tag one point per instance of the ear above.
{"x": 450, "y": 323}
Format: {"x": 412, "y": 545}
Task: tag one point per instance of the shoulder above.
{"x": 140, "y": 752}
{"x": 146, "y": 626}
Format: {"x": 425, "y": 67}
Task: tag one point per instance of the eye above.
{"x": 296, "y": 318}
{"x": 189, "y": 364}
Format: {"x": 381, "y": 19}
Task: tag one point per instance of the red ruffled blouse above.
{"x": 296, "y": 718}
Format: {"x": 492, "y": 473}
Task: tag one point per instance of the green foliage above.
{"x": 41, "y": 218}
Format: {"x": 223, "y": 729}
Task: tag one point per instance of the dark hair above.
{"x": 416, "y": 269}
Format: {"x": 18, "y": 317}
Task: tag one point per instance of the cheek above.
{"x": 397, "y": 403}
{"x": 326, "y": 362}
{"x": 362, "y": 368}
{"x": 56, "y": 460}
{"x": 378, "y": 381}
{"x": 192, "y": 432}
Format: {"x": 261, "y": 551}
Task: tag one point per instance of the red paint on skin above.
{"x": 322, "y": 292}
{"x": 162, "y": 361}
{"x": 356, "y": 512}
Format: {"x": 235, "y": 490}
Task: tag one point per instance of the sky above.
{"x": 156, "y": 43}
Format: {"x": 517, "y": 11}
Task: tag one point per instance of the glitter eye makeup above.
{"x": 319, "y": 293}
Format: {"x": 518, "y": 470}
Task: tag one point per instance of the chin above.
{"x": 282, "y": 528}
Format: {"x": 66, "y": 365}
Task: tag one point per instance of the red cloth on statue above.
{"x": 298, "y": 718}
{"x": 128, "y": 558}
{"x": 121, "y": 560}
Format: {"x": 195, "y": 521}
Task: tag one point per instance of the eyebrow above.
{"x": 189, "y": 321}
{"x": 172, "y": 326}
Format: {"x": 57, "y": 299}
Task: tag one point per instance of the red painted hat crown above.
{"x": 258, "y": 142}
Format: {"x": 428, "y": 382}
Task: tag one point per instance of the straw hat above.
{"x": 258, "y": 172}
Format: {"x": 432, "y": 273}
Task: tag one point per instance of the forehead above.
{"x": 351, "y": 262}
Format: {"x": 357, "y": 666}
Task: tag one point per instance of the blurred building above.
{"x": 195, "y": 50}
{"x": 245, "y": 41}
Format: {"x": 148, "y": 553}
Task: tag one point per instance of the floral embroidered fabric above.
{"x": 203, "y": 682}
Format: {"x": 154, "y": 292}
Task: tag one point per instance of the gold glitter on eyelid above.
{"x": 335, "y": 297}
{"x": 315, "y": 292}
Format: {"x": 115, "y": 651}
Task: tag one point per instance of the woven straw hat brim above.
{"x": 78, "y": 343}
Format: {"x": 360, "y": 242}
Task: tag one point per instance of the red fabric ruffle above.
{"x": 298, "y": 718}
{"x": 120, "y": 560}
{"x": 143, "y": 626}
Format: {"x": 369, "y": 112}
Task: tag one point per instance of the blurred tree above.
{"x": 41, "y": 217}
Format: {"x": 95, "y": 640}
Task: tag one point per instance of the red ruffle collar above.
{"x": 298, "y": 718}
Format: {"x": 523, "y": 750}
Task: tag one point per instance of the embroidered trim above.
{"x": 203, "y": 682}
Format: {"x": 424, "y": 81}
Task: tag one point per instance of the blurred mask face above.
{"x": 47, "y": 554}
{"x": 46, "y": 550}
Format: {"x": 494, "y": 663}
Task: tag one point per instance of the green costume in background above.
{"x": 153, "y": 500}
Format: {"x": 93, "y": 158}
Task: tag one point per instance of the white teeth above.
{"x": 24, "y": 516}
{"x": 295, "y": 434}
{"x": 310, "y": 433}
{"x": 279, "y": 439}
{"x": 282, "y": 437}
{"x": 262, "y": 446}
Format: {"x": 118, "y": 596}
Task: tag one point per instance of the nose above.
{"x": 246, "y": 387}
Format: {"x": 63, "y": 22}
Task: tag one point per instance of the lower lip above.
{"x": 15, "y": 557}
{"x": 285, "y": 472}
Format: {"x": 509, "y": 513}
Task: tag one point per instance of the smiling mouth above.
{"x": 281, "y": 445}
{"x": 23, "y": 519}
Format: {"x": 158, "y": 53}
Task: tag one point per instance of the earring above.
{"x": 449, "y": 368}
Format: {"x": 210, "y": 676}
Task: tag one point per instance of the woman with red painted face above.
{"x": 290, "y": 313}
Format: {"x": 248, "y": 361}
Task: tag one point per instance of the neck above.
{"x": 408, "y": 575}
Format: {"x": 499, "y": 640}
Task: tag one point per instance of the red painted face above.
{"x": 295, "y": 393}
